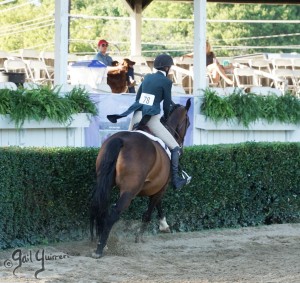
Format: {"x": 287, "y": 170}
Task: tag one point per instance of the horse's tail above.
{"x": 105, "y": 179}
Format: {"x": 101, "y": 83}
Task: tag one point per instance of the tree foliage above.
{"x": 31, "y": 26}
{"x": 253, "y": 34}
{"x": 19, "y": 31}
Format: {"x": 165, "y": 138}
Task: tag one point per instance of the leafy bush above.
{"x": 81, "y": 102}
{"x": 44, "y": 102}
{"x": 217, "y": 107}
{"x": 45, "y": 193}
{"x": 249, "y": 107}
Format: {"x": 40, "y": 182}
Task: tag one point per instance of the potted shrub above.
{"x": 248, "y": 110}
{"x": 43, "y": 104}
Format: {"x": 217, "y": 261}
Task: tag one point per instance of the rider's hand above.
{"x": 121, "y": 68}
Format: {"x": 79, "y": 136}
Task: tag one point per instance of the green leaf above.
{"x": 249, "y": 107}
{"x": 44, "y": 102}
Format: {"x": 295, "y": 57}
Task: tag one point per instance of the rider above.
{"x": 154, "y": 89}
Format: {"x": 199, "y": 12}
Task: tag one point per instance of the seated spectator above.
{"x": 105, "y": 58}
{"x": 213, "y": 67}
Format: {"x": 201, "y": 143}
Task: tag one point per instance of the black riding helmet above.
{"x": 163, "y": 60}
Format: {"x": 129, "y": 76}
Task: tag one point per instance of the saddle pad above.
{"x": 154, "y": 138}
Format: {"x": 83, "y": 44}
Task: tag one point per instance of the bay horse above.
{"x": 137, "y": 166}
{"x": 118, "y": 80}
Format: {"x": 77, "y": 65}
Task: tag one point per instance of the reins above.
{"x": 173, "y": 131}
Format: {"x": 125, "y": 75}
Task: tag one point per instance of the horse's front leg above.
{"x": 146, "y": 218}
{"x": 153, "y": 200}
{"x": 163, "y": 225}
{"x": 139, "y": 236}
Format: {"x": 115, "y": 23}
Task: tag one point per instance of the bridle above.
{"x": 175, "y": 131}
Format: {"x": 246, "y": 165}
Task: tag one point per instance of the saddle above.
{"x": 142, "y": 125}
{"x": 142, "y": 128}
{"x": 156, "y": 139}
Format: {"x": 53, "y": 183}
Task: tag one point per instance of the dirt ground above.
{"x": 259, "y": 254}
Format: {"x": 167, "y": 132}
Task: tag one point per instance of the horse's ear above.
{"x": 188, "y": 104}
{"x": 115, "y": 63}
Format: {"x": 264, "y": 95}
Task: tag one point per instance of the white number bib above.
{"x": 147, "y": 99}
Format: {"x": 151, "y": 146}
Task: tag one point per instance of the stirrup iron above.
{"x": 186, "y": 176}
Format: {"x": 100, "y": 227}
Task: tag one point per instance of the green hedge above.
{"x": 44, "y": 193}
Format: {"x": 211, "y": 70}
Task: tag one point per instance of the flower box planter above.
{"x": 45, "y": 133}
{"x": 202, "y": 122}
{"x": 78, "y": 121}
{"x": 208, "y": 131}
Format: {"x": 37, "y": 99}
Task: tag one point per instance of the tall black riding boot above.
{"x": 178, "y": 181}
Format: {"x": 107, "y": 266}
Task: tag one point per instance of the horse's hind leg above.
{"x": 112, "y": 217}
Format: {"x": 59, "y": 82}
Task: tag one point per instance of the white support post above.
{"x": 136, "y": 29}
{"x": 199, "y": 46}
{"x": 61, "y": 42}
{"x": 199, "y": 60}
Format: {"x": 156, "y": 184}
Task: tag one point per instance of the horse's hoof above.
{"x": 165, "y": 230}
{"x": 96, "y": 255}
{"x": 139, "y": 239}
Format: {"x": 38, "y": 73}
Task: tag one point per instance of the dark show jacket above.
{"x": 158, "y": 85}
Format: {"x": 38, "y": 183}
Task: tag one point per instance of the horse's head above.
{"x": 127, "y": 63}
{"x": 178, "y": 121}
{"x": 124, "y": 63}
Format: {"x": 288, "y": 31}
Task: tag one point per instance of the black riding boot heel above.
{"x": 178, "y": 182}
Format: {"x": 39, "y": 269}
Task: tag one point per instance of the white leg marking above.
{"x": 163, "y": 225}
